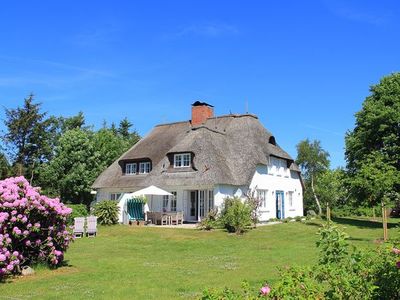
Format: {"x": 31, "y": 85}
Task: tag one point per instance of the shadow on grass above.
{"x": 362, "y": 223}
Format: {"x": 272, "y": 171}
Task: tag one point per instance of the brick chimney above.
{"x": 201, "y": 111}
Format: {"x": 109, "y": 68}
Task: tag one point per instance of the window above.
{"x": 173, "y": 201}
{"x": 262, "y": 197}
{"x": 291, "y": 199}
{"x": 165, "y": 203}
{"x": 144, "y": 167}
{"x": 130, "y": 169}
{"x": 182, "y": 160}
{"x": 114, "y": 196}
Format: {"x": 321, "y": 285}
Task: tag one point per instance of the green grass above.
{"x": 125, "y": 262}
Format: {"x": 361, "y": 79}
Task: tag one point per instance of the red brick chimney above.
{"x": 201, "y": 111}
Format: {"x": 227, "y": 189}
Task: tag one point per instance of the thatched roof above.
{"x": 226, "y": 150}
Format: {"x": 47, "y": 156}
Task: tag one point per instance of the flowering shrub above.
{"x": 32, "y": 227}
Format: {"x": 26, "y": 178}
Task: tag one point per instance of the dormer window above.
{"x": 130, "y": 169}
{"x": 182, "y": 160}
{"x": 144, "y": 167}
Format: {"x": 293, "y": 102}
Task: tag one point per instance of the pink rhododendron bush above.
{"x": 32, "y": 227}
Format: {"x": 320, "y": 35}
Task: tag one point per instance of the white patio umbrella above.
{"x": 151, "y": 191}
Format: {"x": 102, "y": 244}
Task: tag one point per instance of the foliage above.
{"x": 375, "y": 180}
{"x": 73, "y": 168}
{"x": 374, "y": 144}
{"x": 28, "y": 136}
{"x": 362, "y": 211}
{"x": 236, "y": 215}
{"x": 107, "y": 212}
{"x": 78, "y": 210}
{"x": 313, "y": 160}
{"x": 32, "y": 227}
{"x": 4, "y": 166}
{"x": 333, "y": 244}
{"x": 331, "y": 188}
{"x": 210, "y": 221}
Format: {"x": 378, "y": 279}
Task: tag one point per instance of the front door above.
{"x": 280, "y": 205}
{"x": 193, "y": 206}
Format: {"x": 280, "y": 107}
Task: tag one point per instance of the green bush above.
{"x": 236, "y": 215}
{"x": 78, "y": 210}
{"x": 106, "y": 212}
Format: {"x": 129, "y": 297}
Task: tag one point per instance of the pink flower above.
{"x": 396, "y": 251}
{"x": 2, "y": 257}
{"x": 265, "y": 290}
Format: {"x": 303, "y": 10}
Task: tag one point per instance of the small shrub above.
{"x": 210, "y": 221}
{"x": 236, "y": 215}
{"x": 106, "y": 212}
{"x": 33, "y": 227}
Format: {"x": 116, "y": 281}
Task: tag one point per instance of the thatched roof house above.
{"x": 204, "y": 153}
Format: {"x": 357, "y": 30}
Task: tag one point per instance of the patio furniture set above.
{"x": 165, "y": 218}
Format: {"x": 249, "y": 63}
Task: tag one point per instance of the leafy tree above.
{"x": 29, "y": 136}
{"x": 74, "y": 167}
{"x": 313, "y": 160}
{"x": 109, "y": 145}
{"x": 331, "y": 187}
{"x": 373, "y": 147}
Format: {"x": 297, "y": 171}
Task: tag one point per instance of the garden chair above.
{"x": 79, "y": 227}
{"x": 91, "y": 229}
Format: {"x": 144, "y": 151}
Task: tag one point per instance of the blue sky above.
{"x": 304, "y": 67}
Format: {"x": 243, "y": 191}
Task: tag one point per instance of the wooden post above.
{"x": 384, "y": 223}
{"x": 328, "y": 212}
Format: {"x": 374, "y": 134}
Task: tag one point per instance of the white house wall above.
{"x": 271, "y": 179}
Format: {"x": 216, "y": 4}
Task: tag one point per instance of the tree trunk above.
{"x": 315, "y": 196}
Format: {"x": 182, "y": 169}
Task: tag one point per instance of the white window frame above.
{"x": 130, "y": 169}
{"x": 263, "y": 197}
{"x": 144, "y": 167}
{"x": 182, "y": 160}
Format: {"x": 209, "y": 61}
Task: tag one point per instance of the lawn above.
{"x": 125, "y": 262}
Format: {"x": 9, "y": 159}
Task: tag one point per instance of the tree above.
{"x": 73, "y": 122}
{"x": 331, "y": 187}
{"x": 313, "y": 160}
{"x": 74, "y": 167}
{"x": 28, "y": 135}
{"x": 109, "y": 145}
{"x": 4, "y": 166}
{"x": 373, "y": 146}
{"x": 124, "y": 131}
